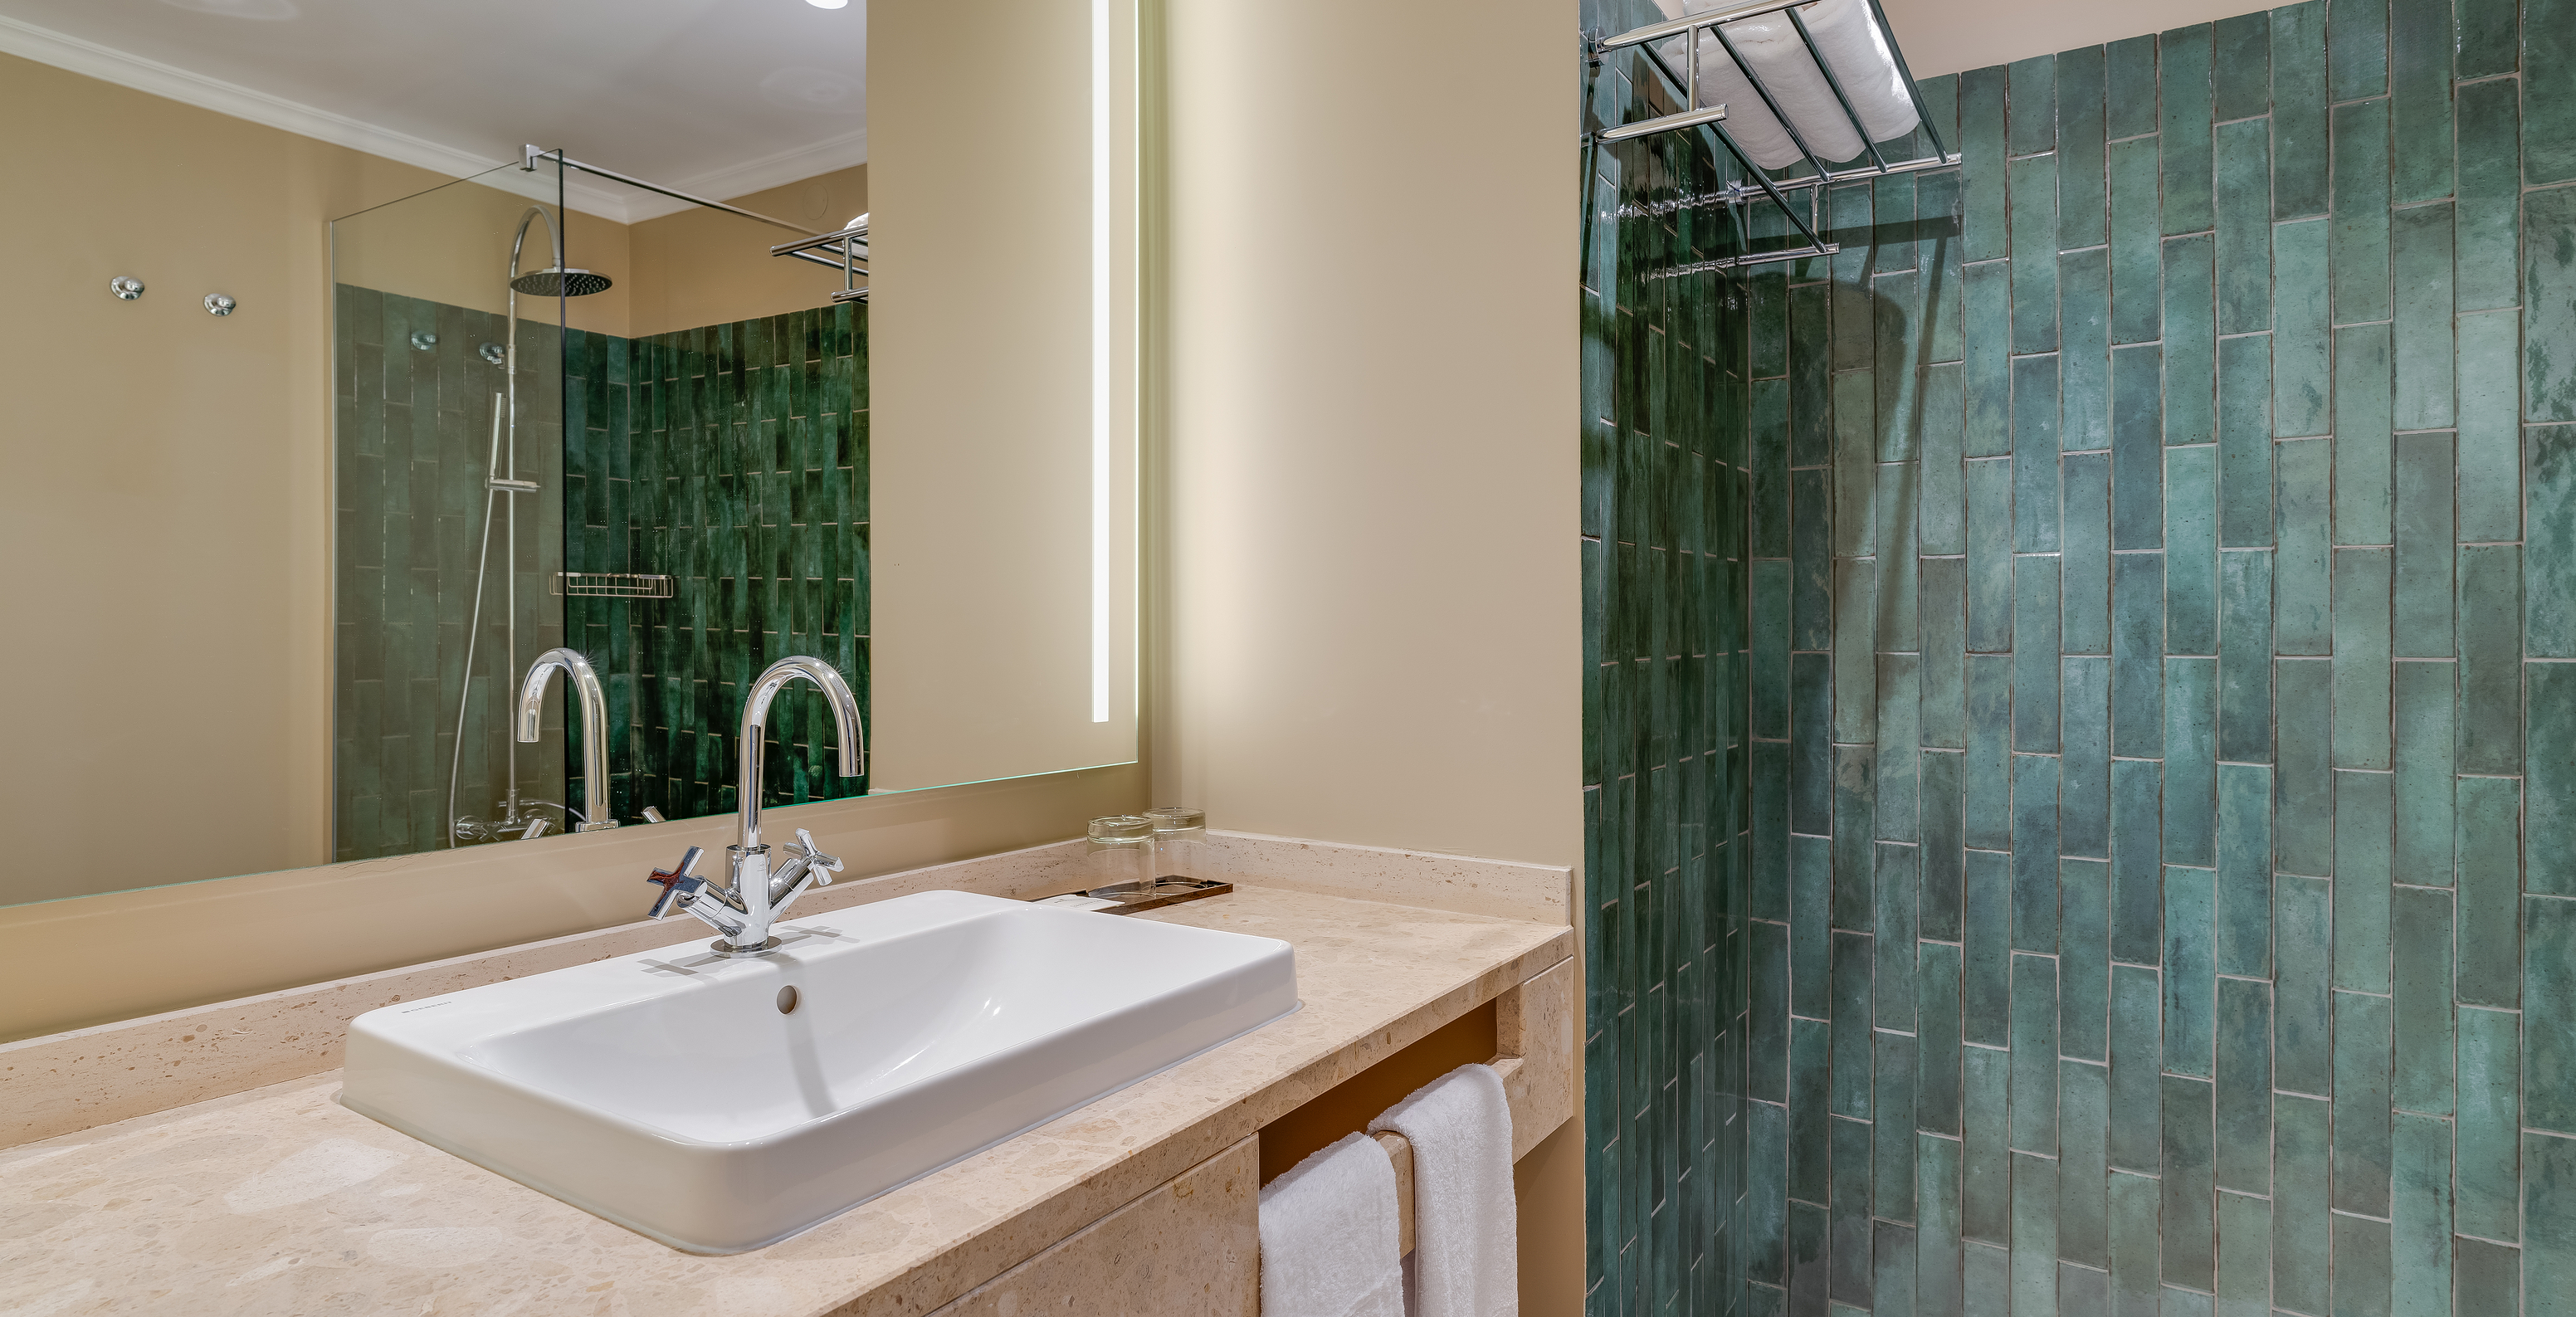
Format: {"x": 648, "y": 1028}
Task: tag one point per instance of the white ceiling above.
{"x": 717, "y": 97}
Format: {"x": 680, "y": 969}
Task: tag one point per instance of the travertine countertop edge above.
{"x": 280, "y": 1201}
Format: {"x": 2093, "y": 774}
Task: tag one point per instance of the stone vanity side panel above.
{"x": 1190, "y": 1247}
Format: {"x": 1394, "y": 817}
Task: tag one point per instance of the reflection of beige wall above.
{"x": 1948, "y": 36}
{"x": 164, "y": 495}
{"x": 1374, "y": 602}
{"x": 703, "y": 267}
{"x": 452, "y": 244}
{"x": 979, "y": 356}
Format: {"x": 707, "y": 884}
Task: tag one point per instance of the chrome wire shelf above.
{"x": 615, "y": 585}
{"x": 852, "y": 244}
{"x": 1692, "y": 29}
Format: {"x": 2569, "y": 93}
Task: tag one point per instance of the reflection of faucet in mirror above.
{"x": 743, "y": 911}
{"x": 594, "y": 814}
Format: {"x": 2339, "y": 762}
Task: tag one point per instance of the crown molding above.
{"x": 108, "y": 64}
{"x": 745, "y": 177}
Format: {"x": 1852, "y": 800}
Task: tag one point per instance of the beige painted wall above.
{"x": 704, "y": 267}
{"x": 1374, "y": 605}
{"x": 1951, "y": 36}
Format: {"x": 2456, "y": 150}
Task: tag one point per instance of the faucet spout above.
{"x": 757, "y": 899}
{"x": 585, "y": 688}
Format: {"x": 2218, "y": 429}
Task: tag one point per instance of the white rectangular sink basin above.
{"x": 670, "y": 1092}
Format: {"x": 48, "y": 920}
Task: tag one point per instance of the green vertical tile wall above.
{"x": 2158, "y": 727}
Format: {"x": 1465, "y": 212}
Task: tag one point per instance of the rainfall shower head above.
{"x": 557, "y": 281}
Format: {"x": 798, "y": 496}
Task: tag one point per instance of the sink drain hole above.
{"x": 787, "y": 1001}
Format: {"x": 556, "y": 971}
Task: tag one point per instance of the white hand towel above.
{"x": 1328, "y": 1236}
{"x": 1851, "y": 43}
{"x": 1466, "y": 1257}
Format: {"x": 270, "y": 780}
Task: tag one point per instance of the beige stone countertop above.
{"x": 281, "y": 1201}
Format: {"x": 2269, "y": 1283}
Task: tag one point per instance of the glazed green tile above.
{"x": 1848, "y": 1083}
{"x": 2243, "y": 1092}
{"x": 2137, "y": 650}
{"x": 2034, "y": 1054}
{"x": 2084, "y": 364}
{"x": 1768, "y": 666}
{"x": 2084, "y": 789}
{"x": 1810, "y": 375}
{"x": 2084, "y": 1114}
{"x": 2299, "y": 109}
{"x": 1855, "y": 476}
{"x": 2084, "y": 957}
{"x": 2032, "y": 119}
{"x": 2361, "y": 640}
{"x": 2245, "y": 656}
{"x": 1766, "y": 1075}
{"x": 2490, "y": 192}
{"x": 1986, "y": 1272}
{"x": 2303, "y": 567}
{"x": 2549, "y": 972}
{"x": 1988, "y": 367}
{"x": 1892, "y": 1258}
{"x": 1810, "y": 1124}
{"x": 2549, "y": 1215}
{"x": 2137, "y": 877}
{"x": 1899, "y": 690}
{"x": 2190, "y": 982}
{"x": 1989, "y": 557}
{"x": 2302, "y": 1228}
{"x": 2359, "y": 246}
{"x": 2489, "y": 1202}
{"x": 2137, "y": 457}
{"x": 1768, "y": 804}
{"x": 1942, "y": 608}
{"x": 2487, "y": 38}
{"x": 2136, "y": 1062}
{"x": 2361, "y": 440}
{"x": 2490, "y": 431}
{"x": 2242, "y": 66}
{"x": 2034, "y": 237}
{"x": 2420, "y": 607}
{"x": 2361, "y": 1286}
{"x": 2190, "y": 341}
{"x": 2130, "y": 74}
{"x": 2420, "y": 39}
{"x": 2183, "y": 97}
{"x": 1811, "y": 557}
{"x": 2244, "y": 225}
{"x": 1941, "y": 850}
{"x": 1937, "y": 1040}
{"x": 1985, "y": 1155}
{"x": 2079, "y": 142}
{"x": 2244, "y": 883}
{"x": 1987, "y": 774}
{"x": 2191, "y": 550}
{"x": 2361, "y": 1104}
{"x": 2244, "y": 1256}
{"x": 2191, "y": 752}
{"x": 2134, "y": 1285}
{"x": 1811, "y": 877}
{"x": 1894, "y": 920}
{"x": 2136, "y": 246}
{"x": 2085, "y": 554}
{"x": 2302, "y": 378}
{"x": 2488, "y": 1277}
{"x": 2034, "y": 1234}
{"x": 2421, "y": 695}
{"x": 2548, "y": 60}
{"x": 1768, "y": 510}
{"x": 2549, "y": 618}
{"x": 2034, "y": 858}
{"x": 2422, "y": 262}
{"x": 1937, "y": 1280}
{"x": 2186, "y": 1210}
{"x": 1764, "y": 1243}
{"x": 2420, "y": 975}
{"x": 2303, "y": 787}
{"x": 2420, "y": 1216}
{"x": 2035, "y": 450}
{"x": 1986, "y": 995}
{"x": 2490, "y": 585}
{"x": 2035, "y": 716}
{"x": 1854, "y": 660}
{"x": 2362, "y": 807}
{"x": 2357, "y": 50}
{"x": 1982, "y": 151}
{"x": 1940, "y": 527}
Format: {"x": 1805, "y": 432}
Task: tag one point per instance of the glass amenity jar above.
{"x": 1118, "y": 856}
{"x": 1181, "y": 847}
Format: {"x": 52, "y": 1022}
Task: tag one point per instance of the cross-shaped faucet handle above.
{"x": 678, "y": 884}
{"x": 822, "y": 866}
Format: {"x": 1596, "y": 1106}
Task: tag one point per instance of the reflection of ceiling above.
{"x": 719, "y": 97}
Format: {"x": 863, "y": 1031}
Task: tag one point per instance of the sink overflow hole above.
{"x": 787, "y": 1001}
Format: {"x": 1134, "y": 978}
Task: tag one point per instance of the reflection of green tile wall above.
{"x": 2157, "y": 748}
{"x": 733, "y": 457}
{"x": 411, "y": 437}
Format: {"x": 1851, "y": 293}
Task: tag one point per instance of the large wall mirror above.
{"x": 585, "y": 427}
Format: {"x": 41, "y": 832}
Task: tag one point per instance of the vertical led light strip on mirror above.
{"x": 1100, "y": 410}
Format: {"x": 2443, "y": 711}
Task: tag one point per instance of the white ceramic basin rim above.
{"x": 718, "y": 1105}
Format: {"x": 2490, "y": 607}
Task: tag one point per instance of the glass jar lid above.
{"x": 1122, "y": 828}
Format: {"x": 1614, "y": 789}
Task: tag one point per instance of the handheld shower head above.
{"x": 557, "y": 281}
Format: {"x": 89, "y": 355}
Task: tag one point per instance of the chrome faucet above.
{"x": 594, "y": 814}
{"x": 742, "y": 911}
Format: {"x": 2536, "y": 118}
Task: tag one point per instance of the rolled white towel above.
{"x": 1860, "y": 57}
{"x": 1851, "y": 43}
